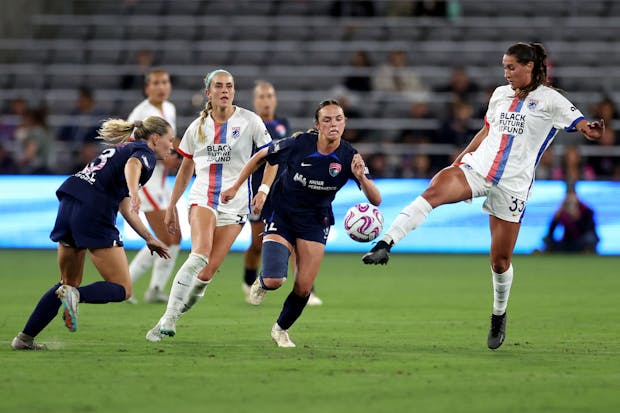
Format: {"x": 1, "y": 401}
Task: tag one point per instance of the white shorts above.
{"x": 224, "y": 218}
{"x": 155, "y": 195}
{"x": 498, "y": 203}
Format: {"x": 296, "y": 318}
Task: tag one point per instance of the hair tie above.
{"x": 215, "y": 72}
{"x": 137, "y": 124}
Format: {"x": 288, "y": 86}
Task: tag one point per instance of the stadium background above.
{"x": 49, "y": 50}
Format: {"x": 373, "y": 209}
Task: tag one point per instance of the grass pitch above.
{"x": 408, "y": 337}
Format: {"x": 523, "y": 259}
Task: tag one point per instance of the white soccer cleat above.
{"x": 70, "y": 297}
{"x": 314, "y": 300}
{"x": 155, "y": 295}
{"x": 154, "y": 334}
{"x": 257, "y": 294}
{"x": 280, "y": 337}
{"x": 24, "y": 342}
{"x": 246, "y": 291}
{"x": 168, "y": 325}
{"x": 132, "y": 300}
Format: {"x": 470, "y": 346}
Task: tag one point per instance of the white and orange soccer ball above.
{"x": 363, "y": 222}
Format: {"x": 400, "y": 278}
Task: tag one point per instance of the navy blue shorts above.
{"x": 80, "y": 225}
{"x": 291, "y": 231}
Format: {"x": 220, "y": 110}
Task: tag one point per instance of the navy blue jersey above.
{"x": 278, "y": 129}
{"x": 309, "y": 180}
{"x": 104, "y": 178}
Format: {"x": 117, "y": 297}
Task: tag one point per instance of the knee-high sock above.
{"x": 43, "y": 313}
{"x": 102, "y": 292}
{"x": 183, "y": 281}
{"x": 291, "y": 310}
{"x": 162, "y": 268}
{"x": 501, "y": 290}
{"x": 249, "y": 275}
{"x": 140, "y": 263}
{"x": 196, "y": 292}
{"x": 408, "y": 219}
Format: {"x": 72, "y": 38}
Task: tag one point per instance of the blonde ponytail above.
{"x": 117, "y": 131}
{"x": 203, "y": 116}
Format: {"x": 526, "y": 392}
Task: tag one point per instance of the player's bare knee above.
{"x": 500, "y": 265}
{"x": 272, "y": 283}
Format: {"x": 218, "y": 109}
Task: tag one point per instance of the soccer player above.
{"x": 265, "y": 103}
{"x": 521, "y": 121}
{"x": 89, "y": 203}
{"x": 155, "y": 195}
{"x": 216, "y": 146}
{"x": 299, "y": 208}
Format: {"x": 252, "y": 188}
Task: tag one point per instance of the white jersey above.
{"x": 155, "y": 194}
{"x": 519, "y": 132}
{"x": 219, "y": 159}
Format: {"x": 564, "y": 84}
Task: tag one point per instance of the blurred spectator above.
{"x": 397, "y": 76}
{"x": 7, "y": 163}
{"x": 85, "y": 120}
{"x": 420, "y": 8}
{"x": 606, "y": 110}
{"x": 359, "y": 81}
{"x": 416, "y": 166}
{"x": 421, "y": 132}
{"x": 573, "y": 168}
{"x": 606, "y": 167}
{"x": 577, "y": 220}
{"x": 458, "y": 129}
{"x": 378, "y": 166}
{"x": 461, "y": 85}
{"x": 352, "y": 8}
{"x": 11, "y": 119}
{"x": 34, "y": 143}
{"x": 142, "y": 66}
{"x": 431, "y": 8}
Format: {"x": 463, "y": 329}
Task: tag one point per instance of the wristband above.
{"x": 264, "y": 188}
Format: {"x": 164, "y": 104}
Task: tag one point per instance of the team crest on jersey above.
{"x": 532, "y": 103}
{"x": 334, "y": 169}
{"x": 281, "y": 130}
{"x": 235, "y": 132}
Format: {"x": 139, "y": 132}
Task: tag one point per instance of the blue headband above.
{"x": 215, "y": 72}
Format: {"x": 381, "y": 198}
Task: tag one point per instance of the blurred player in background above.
{"x": 520, "y": 124}
{"x": 299, "y": 210}
{"x": 89, "y": 203}
{"x": 155, "y": 195}
{"x": 265, "y": 104}
{"x": 216, "y": 146}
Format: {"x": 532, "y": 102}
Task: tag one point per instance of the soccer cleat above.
{"x": 314, "y": 300}
{"x": 155, "y": 295}
{"x": 280, "y": 337}
{"x": 168, "y": 326}
{"x": 246, "y": 291}
{"x": 154, "y": 334}
{"x": 379, "y": 254}
{"x": 497, "y": 331}
{"x": 70, "y": 297}
{"x": 257, "y": 293}
{"x": 24, "y": 342}
{"x": 132, "y": 300}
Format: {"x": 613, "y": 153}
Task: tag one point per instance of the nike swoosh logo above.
{"x": 306, "y": 164}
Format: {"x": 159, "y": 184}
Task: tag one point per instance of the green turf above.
{"x": 409, "y": 337}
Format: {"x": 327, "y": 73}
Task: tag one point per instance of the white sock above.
{"x": 196, "y": 292}
{"x": 162, "y": 269}
{"x": 408, "y": 219}
{"x": 183, "y": 282}
{"x": 501, "y": 290}
{"x": 141, "y": 262}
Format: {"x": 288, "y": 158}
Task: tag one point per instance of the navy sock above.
{"x": 249, "y": 276}
{"x": 291, "y": 310}
{"x": 43, "y": 313}
{"x": 102, "y": 292}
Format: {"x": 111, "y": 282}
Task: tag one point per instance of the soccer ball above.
{"x": 363, "y": 222}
